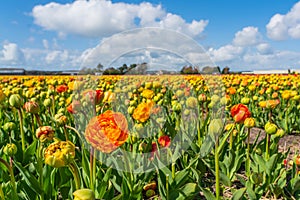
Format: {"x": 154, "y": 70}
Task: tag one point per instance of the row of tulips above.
{"x": 147, "y": 137}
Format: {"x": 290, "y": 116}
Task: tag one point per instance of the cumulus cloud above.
{"x": 226, "y": 53}
{"x": 247, "y": 37}
{"x": 11, "y": 54}
{"x": 163, "y": 44}
{"x": 264, "y": 48}
{"x": 100, "y": 18}
{"x": 284, "y": 26}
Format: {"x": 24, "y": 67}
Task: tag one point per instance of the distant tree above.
{"x": 123, "y": 69}
{"x": 99, "y": 67}
{"x": 189, "y": 70}
{"x": 211, "y": 70}
{"x": 225, "y": 70}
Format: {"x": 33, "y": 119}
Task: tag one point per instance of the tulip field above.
{"x": 149, "y": 137}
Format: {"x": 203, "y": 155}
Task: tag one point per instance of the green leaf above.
{"x": 101, "y": 189}
{"x": 238, "y": 194}
{"x": 186, "y": 192}
{"x": 31, "y": 150}
{"x": 207, "y": 146}
{"x": 261, "y": 163}
{"x": 250, "y": 192}
{"x": 224, "y": 179}
{"x": 270, "y": 163}
{"x": 29, "y": 178}
{"x": 180, "y": 178}
{"x": 208, "y": 194}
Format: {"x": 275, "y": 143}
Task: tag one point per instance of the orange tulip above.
{"x": 240, "y": 112}
{"x": 107, "y": 131}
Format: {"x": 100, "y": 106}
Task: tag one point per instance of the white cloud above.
{"x": 247, "y": 37}
{"x": 226, "y": 53}
{"x": 127, "y": 44}
{"x": 100, "y": 18}
{"x": 45, "y": 44}
{"x": 11, "y": 54}
{"x": 281, "y": 27}
{"x": 264, "y": 48}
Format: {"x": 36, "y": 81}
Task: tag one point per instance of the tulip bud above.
{"x": 202, "y": 98}
{"x": 32, "y": 107}
{"x": 9, "y": 126}
{"x": 150, "y": 193}
{"x": 176, "y": 107}
{"x": 10, "y": 149}
{"x": 255, "y": 98}
{"x": 186, "y": 112}
{"x": 2, "y": 96}
{"x": 15, "y": 100}
{"x": 215, "y": 99}
{"x": 130, "y": 110}
{"x": 45, "y": 133}
{"x": 84, "y": 194}
{"x": 280, "y": 133}
{"x": 249, "y": 122}
{"x": 60, "y": 119}
{"x": 297, "y": 160}
{"x": 245, "y": 100}
{"x": 256, "y": 178}
{"x": 270, "y": 128}
{"x": 228, "y": 127}
{"x": 215, "y": 127}
{"x": 47, "y": 102}
{"x": 191, "y": 102}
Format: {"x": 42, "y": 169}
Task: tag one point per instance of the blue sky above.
{"x": 61, "y": 35}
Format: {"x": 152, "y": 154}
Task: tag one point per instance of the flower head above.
{"x": 107, "y": 131}
{"x": 142, "y": 112}
{"x": 61, "y": 88}
{"x": 84, "y": 194}
{"x": 164, "y": 141}
{"x": 59, "y": 154}
{"x": 240, "y": 112}
{"x": 74, "y": 107}
{"x": 148, "y": 94}
{"x": 45, "y": 133}
{"x": 32, "y": 107}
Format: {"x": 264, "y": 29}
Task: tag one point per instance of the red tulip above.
{"x": 164, "y": 141}
{"x": 240, "y": 112}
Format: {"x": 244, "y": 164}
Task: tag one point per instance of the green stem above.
{"x": 248, "y": 154}
{"x": 66, "y": 133}
{"x": 92, "y": 169}
{"x": 167, "y": 186}
{"x": 199, "y": 134}
{"x": 231, "y": 137}
{"x": 217, "y": 169}
{"x": 12, "y": 177}
{"x": 75, "y": 172}
{"x": 75, "y": 130}
{"x": 53, "y": 104}
{"x": 21, "y": 129}
{"x": 231, "y": 140}
{"x": 267, "y": 146}
{"x": 173, "y": 170}
{"x": 1, "y": 193}
{"x": 38, "y": 119}
{"x": 40, "y": 167}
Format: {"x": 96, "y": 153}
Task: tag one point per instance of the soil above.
{"x": 288, "y": 141}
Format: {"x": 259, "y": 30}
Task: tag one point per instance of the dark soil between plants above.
{"x": 291, "y": 142}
